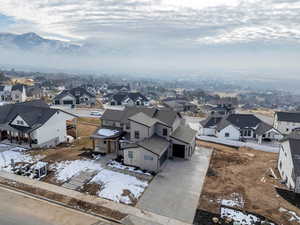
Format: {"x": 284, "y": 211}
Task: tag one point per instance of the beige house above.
{"x": 147, "y": 137}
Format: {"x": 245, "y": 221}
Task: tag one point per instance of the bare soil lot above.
{"x": 247, "y": 173}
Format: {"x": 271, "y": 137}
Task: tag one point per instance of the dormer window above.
{"x": 20, "y": 122}
{"x": 77, "y": 93}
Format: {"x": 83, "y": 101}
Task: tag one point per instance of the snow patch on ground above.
{"x": 239, "y": 144}
{"x": 117, "y": 165}
{"x": 236, "y": 200}
{"x": 242, "y": 217}
{"x": 294, "y": 216}
{"x": 113, "y": 185}
{"x": 7, "y": 157}
{"x": 66, "y": 169}
{"x": 107, "y": 132}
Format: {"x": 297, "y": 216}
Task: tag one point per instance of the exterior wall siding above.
{"x": 285, "y": 164}
{"x": 234, "y": 133}
{"x": 138, "y": 159}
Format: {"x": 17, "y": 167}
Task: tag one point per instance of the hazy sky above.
{"x": 249, "y": 31}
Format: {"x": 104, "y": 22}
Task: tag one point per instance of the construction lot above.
{"x": 246, "y": 179}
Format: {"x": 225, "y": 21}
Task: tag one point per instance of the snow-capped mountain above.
{"x": 33, "y": 42}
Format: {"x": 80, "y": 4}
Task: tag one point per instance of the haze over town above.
{"x": 150, "y": 112}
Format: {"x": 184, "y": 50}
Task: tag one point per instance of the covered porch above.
{"x": 18, "y": 136}
{"x": 106, "y": 141}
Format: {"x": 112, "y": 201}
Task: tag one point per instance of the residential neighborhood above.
{"x": 110, "y": 141}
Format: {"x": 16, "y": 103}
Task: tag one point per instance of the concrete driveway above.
{"x": 176, "y": 190}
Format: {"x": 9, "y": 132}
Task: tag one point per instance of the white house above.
{"x": 286, "y": 122}
{"x": 239, "y": 126}
{"x": 209, "y": 125}
{"x": 33, "y": 123}
{"x": 13, "y": 93}
{"x": 289, "y": 162}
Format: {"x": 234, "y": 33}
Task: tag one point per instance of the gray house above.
{"x": 75, "y": 96}
{"x": 146, "y": 137}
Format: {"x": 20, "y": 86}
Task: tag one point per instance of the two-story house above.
{"x": 145, "y": 137}
{"x": 286, "y": 122}
{"x": 33, "y": 123}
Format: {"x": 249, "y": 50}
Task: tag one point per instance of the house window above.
{"x": 249, "y": 133}
{"x": 130, "y": 154}
{"x": 104, "y": 142}
{"x": 165, "y": 132}
{"x": 227, "y": 134}
{"x": 280, "y": 165}
{"x": 148, "y": 157}
{"x": 136, "y": 134}
{"x": 20, "y": 122}
{"x": 127, "y": 126}
{"x": 77, "y": 93}
{"x": 287, "y": 129}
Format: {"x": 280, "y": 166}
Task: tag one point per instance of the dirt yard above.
{"x": 247, "y": 173}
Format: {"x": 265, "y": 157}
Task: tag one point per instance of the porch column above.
{"x": 10, "y": 136}
{"x": 29, "y": 139}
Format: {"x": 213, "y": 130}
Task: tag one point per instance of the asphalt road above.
{"x": 19, "y": 209}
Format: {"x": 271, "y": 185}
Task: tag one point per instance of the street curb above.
{"x": 58, "y": 203}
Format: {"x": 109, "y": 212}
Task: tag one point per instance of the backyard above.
{"x": 245, "y": 179}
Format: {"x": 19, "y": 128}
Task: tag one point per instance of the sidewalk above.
{"x": 129, "y": 210}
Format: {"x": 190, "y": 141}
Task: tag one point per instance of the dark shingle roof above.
{"x": 288, "y": 116}
{"x": 34, "y": 116}
{"x": 76, "y": 92}
{"x": 36, "y": 103}
{"x": 184, "y": 134}
{"x": 210, "y": 122}
{"x": 239, "y": 120}
{"x": 121, "y": 96}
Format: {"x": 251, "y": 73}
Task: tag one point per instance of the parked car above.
{"x": 96, "y": 113}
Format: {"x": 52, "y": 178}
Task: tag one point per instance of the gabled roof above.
{"x": 134, "y": 96}
{"x": 142, "y": 118}
{"x": 34, "y": 115}
{"x": 263, "y": 128}
{"x": 165, "y": 116}
{"x": 154, "y": 144}
{"x": 288, "y": 116}
{"x": 240, "y": 121}
{"x": 113, "y": 115}
{"x": 210, "y": 121}
{"x": 184, "y": 134}
{"x": 75, "y": 92}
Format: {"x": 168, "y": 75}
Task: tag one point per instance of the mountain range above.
{"x": 33, "y": 42}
